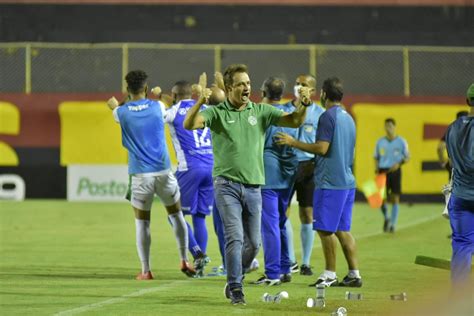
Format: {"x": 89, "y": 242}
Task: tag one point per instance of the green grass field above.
{"x": 80, "y": 258}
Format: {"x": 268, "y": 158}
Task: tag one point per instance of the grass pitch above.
{"x": 66, "y": 258}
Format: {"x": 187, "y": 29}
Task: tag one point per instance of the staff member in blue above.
{"x": 280, "y": 164}
{"x": 334, "y": 183}
{"x": 460, "y": 146}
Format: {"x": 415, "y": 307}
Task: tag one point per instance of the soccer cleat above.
{"x": 391, "y": 229}
{"x": 386, "y": 225}
{"x": 187, "y": 269}
{"x": 305, "y": 270}
{"x": 324, "y": 280}
{"x": 199, "y": 265}
{"x": 351, "y": 282}
{"x": 144, "y": 276}
{"x": 294, "y": 267}
{"x": 237, "y": 297}
{"x": 266, "y": 281}
{"x": 285, "y": 277}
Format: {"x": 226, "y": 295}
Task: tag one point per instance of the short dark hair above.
{"x": 230, "y": 71}
{"x": 390, "y": 120}
{"x": 273, "y": 88}
{"x": 136, "y": 81}
{"x": 183, "y": 88}
{"x": 461, "y": 113}
{"x": 333, "y": 89}
{"x": 311, "y": 77}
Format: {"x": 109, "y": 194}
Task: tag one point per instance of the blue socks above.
{"x": 193, "y": 245}
{"x": 307, "y": 240}
{"x": 289, "y": 237}
{"x": 200, "y": 231}
{"x": 394, "y": 215}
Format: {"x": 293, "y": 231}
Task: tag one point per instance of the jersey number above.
{"x": 203, "y": 140}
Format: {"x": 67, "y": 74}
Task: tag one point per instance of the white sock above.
{"x": 143, "y": 237}
{"x": 181, "y": 233}
{"x": 354, "y": 274}
{"x": 329, "y": 274}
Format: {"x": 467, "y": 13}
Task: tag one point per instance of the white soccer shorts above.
{"x": 145, "y": 186}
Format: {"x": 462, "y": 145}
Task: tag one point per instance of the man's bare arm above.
{"x": 318, "y": 148}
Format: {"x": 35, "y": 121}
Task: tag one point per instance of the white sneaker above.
{"x": 325, "y": 280}
{"x": 265, "y": 281}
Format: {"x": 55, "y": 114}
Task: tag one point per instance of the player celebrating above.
{"x": 304, "y": 182}
{"x": 194, "y": 152}
{"x": 391, "y": 152}
{"x": 142, "y": 125}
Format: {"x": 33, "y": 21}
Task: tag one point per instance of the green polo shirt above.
{"x": 238, "y": 138}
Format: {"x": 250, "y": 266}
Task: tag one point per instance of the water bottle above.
{"x": 399, "y": 297}
{"x": 353, "y": 296}
{"x": 341, "y": 311}
{"x": 320, "y": 296}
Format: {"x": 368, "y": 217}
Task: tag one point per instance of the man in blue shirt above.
{"x": 334, "y": 183}
{"x": 194, "y": 173}
{"x": 142, "y": 124}
{"x": 280, "y": 164}
{"x": 304, "y": 181}
{"x": 460, "y": 146}
{"x": 391, "y": 152}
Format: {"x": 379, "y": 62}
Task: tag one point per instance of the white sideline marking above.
{"x": 414, "y": 223}
{"x": 125, "y": 297}
{"x": 85, "y": 308}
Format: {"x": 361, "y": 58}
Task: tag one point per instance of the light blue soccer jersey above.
{"x": 280, "y": 162}
{"x": 334, "y": 169}
{"x": 307, "y": 131}
{"x": 193, "y": 148}
{"x": 460, "y": 146}
{"x": 143, "y": 135}
{"x": 389, "y": 152}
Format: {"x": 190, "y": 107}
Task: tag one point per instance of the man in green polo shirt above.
{"x": 238, "y": 133}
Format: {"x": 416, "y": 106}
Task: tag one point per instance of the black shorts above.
{"x": 394, "y": 182}
{"x": 304, "y": 183}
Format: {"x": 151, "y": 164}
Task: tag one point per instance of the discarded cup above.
{"x": 353, "y": 296}
{"x": 399, "y": 297}
{"x": 311, "y": 302}
{"x": 274, "y": 298}
{"x": 341, "y": 311}
{"x": 318, "y": 302}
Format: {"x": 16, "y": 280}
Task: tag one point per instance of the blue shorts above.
{"x": 197, "y": 194}
{"x": 332, "y": 209}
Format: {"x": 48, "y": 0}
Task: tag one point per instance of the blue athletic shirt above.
{"x": 334, "y": 170}
{"x": 307, "y": 131}
{"x": 143, "y": 135}
{"x": 389, "y": 152}
{"x": 193, "y": 148}
{"x": 460, "y": 146}
{"x": 280, "y": 162}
